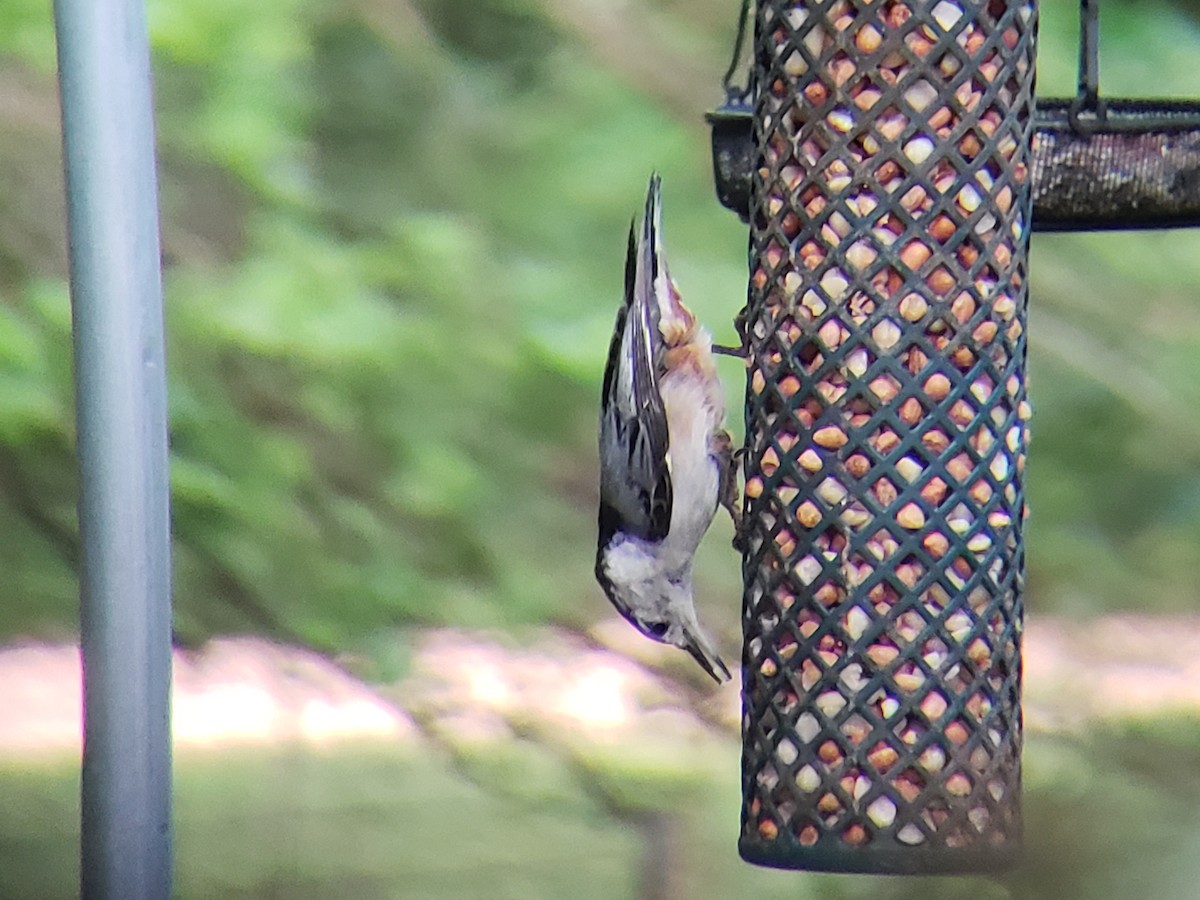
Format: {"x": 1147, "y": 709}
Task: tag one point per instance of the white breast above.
{"x": 693, "y": 414}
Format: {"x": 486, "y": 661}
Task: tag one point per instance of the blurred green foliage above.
{"x": 394, "y": 234}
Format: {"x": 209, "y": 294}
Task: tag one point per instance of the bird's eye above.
{"x": 656, "y": 630}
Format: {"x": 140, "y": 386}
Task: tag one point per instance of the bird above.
{"x": 666, "y": 460}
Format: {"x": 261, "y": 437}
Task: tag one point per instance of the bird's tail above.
{"x": 676, "y": 322}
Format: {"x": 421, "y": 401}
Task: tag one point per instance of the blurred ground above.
{"x": 466, "y": 686}
{"x": 474, "y": 686}
{"x": 593, "y": 765}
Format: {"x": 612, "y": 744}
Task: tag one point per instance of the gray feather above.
{"x": 635, "y": 483}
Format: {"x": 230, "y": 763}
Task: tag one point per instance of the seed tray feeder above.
{"x": 1102, "y": 164}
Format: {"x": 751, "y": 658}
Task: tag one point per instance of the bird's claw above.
{"x": 740, "y": 543}
{"x": 728, "y": 497}
{"x": 723, "y": 350}
{"x": 742, "y": 350}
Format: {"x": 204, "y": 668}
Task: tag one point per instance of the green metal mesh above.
{"x": 886, "y": 434}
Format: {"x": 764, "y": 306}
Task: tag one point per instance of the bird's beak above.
{"x": 708, "y": 659}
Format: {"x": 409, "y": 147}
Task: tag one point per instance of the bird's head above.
{"x": 659, "y": 606}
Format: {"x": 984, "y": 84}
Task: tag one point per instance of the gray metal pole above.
{"x": 116, "y": 298}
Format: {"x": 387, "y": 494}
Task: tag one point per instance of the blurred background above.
{"x": 393, "y": 243}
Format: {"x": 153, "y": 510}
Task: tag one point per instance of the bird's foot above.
{"x": 742, "y": 350}
{"x": 729, "y": 460}
{"x": 723, "y": 350}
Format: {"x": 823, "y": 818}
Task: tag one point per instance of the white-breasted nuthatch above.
{"x": 665, "y": 459}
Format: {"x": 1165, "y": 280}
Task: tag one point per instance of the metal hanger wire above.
{"x": 735, "y": 95}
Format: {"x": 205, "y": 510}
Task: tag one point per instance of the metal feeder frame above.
{"x": 1098, "y": 163}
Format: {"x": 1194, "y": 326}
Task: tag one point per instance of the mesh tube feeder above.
{"x": 890, "y": 210}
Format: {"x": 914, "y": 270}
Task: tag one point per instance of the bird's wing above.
{"x": 635, "y": 483}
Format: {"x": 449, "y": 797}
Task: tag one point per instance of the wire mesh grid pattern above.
{"x": 886, "y": 434}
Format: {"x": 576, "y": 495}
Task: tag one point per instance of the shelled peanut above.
{"x": 888, "y": 383}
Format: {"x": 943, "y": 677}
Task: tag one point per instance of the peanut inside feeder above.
{"x": 887, "y": 426}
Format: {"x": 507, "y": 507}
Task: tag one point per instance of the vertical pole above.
{"x": 120, "y": 383}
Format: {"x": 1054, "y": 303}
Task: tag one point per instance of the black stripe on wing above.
{"x": 635, "y": 484}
